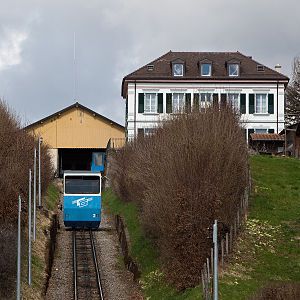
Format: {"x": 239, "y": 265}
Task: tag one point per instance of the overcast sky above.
{"x": 115, "y": 37}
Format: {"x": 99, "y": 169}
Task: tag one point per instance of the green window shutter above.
{"x": 169, "y": 103}
{"x": 215, "y": 99}
{"x": 249, "y": 132}
{"x": 141, "y": 103}
{"x": 251, "y": 104}
{"x": 271, "y": 103}
{"x": 188, "y": 103}
{"x": 140, "y": 132}
{"x": 242, "y": 104}
{"x": 223, "y": 100}
{"x": 196, "y": 102}
{"x": 270, "y": 130}
{"x": 160, "y": 107}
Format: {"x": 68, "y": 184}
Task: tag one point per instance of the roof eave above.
{"x": 75, "y": 105}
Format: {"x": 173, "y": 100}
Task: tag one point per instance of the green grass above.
{"x": 267, "y": 250}
{"x": 37, "y": 270}
{"x": 52, "y": 197}
{"x": 270, "y": 245}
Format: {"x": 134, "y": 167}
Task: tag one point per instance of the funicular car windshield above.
{"x": 82, "y": 185}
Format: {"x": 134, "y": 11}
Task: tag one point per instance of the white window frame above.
{"x": 238, "y": 70}
{"x": 255, "y": 102}
{"x": 208, "y": 100}
{"x": 201, "y": 69}
{"x": 178, "y": 109}
{"x": 182, "y": 67}
{"x": 150, "y": 108}
{"x": 236, "y": 105}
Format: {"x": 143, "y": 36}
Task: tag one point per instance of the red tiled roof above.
{"x": 266, "y": 137}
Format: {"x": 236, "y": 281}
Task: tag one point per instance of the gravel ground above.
{"x": 117, "y": 282}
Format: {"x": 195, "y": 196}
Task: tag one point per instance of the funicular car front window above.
{"x": 82, "y": 185}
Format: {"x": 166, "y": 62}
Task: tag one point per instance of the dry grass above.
{"x": 191, "y": 171}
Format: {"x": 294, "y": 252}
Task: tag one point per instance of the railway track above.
{"x": 86, "y": 273}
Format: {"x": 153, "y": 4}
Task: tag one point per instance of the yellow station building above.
{"x": 75, "y": 134}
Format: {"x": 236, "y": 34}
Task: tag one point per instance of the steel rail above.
{"x": 96, "y": 266}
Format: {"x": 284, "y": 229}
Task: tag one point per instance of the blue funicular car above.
{"x": 82, "y": 199}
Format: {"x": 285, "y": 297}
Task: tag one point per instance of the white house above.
{"x": 179, "y": 80}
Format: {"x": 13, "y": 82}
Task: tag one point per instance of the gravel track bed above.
{"x": 117, "y": 282}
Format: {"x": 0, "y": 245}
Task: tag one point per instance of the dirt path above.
{"x": 117, "y": 282}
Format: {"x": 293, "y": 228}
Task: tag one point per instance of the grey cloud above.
{"x": 116, "y": 37}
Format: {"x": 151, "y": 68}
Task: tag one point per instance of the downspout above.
{"x": 134, "y": 108}
{"x": 277, "y": 108}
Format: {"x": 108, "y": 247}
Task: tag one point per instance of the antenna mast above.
{"x": 75, "y": 69}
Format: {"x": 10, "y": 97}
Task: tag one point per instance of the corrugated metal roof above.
{"x": 266, "y": 137}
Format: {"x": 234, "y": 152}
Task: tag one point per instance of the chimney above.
{"x": 278, "y": 68}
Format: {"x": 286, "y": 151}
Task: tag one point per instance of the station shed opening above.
{"x": 77, "y": 138}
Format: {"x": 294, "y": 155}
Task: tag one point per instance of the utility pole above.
{"x": 215, "y": 241}
{"x": 19, "y": 252}
{"x": 29, "y": 229}
{"x": 34, "y": 195}
{"x": 40, "y": 196}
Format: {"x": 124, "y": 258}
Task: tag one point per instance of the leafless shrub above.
{"x": 16, "y": 157}
{"x": 191, "y": 171}
{"x": 279, "y": 291}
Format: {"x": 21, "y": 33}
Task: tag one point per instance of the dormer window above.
{"x": 150, "y": 67}
{"x": 205, "y": 69}
{"x": 233, "y": 69}
{"x": 177, "y": 69}
{"x": 260, "y": 68}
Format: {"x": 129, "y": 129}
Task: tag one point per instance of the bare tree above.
{"x": 293, "y": 95}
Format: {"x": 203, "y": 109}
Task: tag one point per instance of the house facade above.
{"x": 182, "y": 81}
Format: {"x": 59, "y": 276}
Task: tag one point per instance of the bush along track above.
{"x": 16, "y": 158}
{"x": 191, "y": 171}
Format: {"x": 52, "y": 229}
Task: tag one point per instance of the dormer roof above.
{"x": 163, "y": 72}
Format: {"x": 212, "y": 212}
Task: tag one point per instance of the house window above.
{"x": 178, "y": 69}
{"x": 233, "y": 70}
{"x": 260, "y": 130}
{"x": 261, "y": 103}
{"x": 149, "y": 131}
{"x": 178, "y": 102}
{"x": 234, "y": 100}
{"x": 205, "y": 69}
{"x": 205, "y": 100}
{"x": 150, "y": 103}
